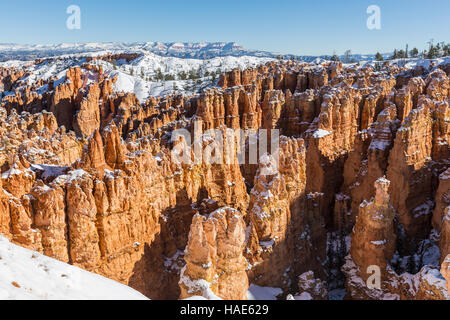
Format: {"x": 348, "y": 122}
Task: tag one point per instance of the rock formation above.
{"x": 214, "y": 257}
{"x": 89, "y": 177}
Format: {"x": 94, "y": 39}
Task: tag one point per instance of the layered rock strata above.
{"x": 88, "y": 177}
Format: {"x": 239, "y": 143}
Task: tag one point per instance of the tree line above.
{"x": 438, "y": 50}
{"x": 441, "y": 49}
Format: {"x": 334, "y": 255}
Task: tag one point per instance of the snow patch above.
{"x": 28, "y": 275}
{"x": 320, "y": 133}
{"x": 263, "y": 293}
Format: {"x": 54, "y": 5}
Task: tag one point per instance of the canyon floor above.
{"x": 357, "y": 208}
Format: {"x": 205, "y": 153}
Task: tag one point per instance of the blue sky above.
{"x": 287, "y": 26}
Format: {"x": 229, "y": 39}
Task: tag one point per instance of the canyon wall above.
{"x": 89, "y": 178}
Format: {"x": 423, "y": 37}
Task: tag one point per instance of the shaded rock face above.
{"x": 410, "y": 171}
{"x": 373, "y": 237}
{"x": 372, "y": 252}
{"x": 88, "y": 177}
{"x": 311, "y": 287}
{"x": 270, "y": 247}
{"x": 441, "y": 213}
{"x": 445, "y": 271}
{"x": 214, "y": 257}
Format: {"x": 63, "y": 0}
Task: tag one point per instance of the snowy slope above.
{"x": 133, "y": 77}
{"x": 140, "y": 75}
{"x": 203, "y": 50}
{"x": 263, "y": 293}
{"x": 27, "y": 275}
{"x": 254, "y": 293}
{"x": 408, "y": 63}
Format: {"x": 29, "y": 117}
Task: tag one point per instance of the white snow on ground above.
{"x": 139, "y": 76}
{"x": 199, "y": 285}
{"x": 408, "y": 63}
{"x": 28, "y": 275}
{"x": 263, "y": 293}
{"x": 14, "y": 64}
{"x": 320, "y": 133}
{"x": 337, "y": 294}
{"x": 133, "y": 77}
{"x": 196, "y": 298}
{"x": 304, "y": 296}
{"x": 254, "y": 293}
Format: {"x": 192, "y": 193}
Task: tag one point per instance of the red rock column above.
{"x": 373, "y": 237}
{"x": 215, "y": 265}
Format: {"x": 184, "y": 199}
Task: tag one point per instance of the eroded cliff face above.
{"x": 215, "y": 263}
{"x": 373, "y": 237}
{"x": 89, "y": 178}
{"x": 369, "y": 266}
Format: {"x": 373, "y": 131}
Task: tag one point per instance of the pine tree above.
{"x": 347, "y": 55}
{"x": 414, "y": 52}
{"x": 379, "y": 57}
{"x": 431, "y": 54}
{"x": 199, "y": 72}
{"x": 335, "y": 57}
{"x": 395, "y": 54}
{"x": 432, "y": 50}
{"x": 159, "y": 75}
{"x": 446, "y": 50}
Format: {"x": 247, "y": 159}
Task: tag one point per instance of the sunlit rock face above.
{"x": 360, "y": 179}
{"x": 214, "y": 257}
{"x": 373, "y": 237}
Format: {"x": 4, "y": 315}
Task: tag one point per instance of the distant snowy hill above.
{"x": 204, "y": 50}
{"x": 175, "y": 49}
{"x": 27, "y": 275}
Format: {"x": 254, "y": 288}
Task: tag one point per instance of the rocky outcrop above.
{"x": 65, "y": 97}
{"x": 311, "y": 288}
{"x": 215, "y": 264}
{"x": 410, "y": 174}
{"x": 373, "y": 237}
{"x": 89, "y": 177}
{"x": 445, "y": 271}
{"x": 93, "y": 158}
{"x": 441, "y": 214}
{"x": 368, "y": 270}
{"x": 87, "y": 118}
{"x": 270, "y": 245}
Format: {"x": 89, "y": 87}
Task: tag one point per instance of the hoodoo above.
{"x": 353, "y": 182}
